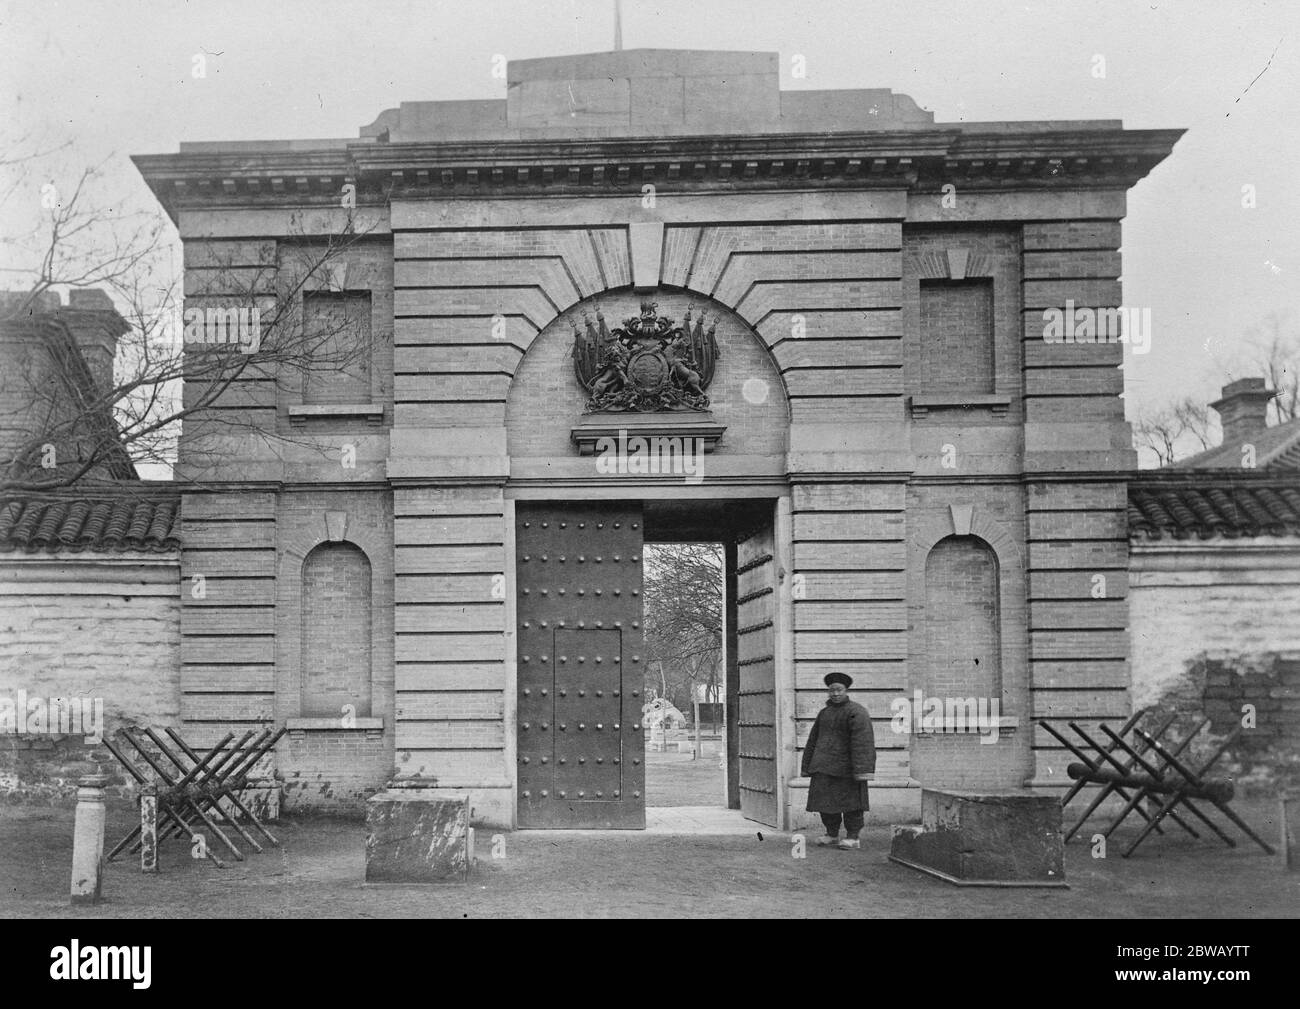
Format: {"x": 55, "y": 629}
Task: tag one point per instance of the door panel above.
{"x": 580, "y": 749}
{"x": 756, "y": 648}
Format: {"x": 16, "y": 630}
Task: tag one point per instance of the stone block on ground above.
{"x": 415, "y": 836}
{"x": 979, "y": 839}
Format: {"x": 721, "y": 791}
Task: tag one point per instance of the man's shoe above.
{"x": 850, "y": 844}
{"x": 823, "y": 842}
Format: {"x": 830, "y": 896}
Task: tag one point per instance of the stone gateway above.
{"x": 833, "y": 307}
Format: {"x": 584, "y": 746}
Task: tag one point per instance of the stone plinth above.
{"x": 416, "y": 836}
{"x": 985, "y": 839}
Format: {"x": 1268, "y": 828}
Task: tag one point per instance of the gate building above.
{"x": 648, "y": 297}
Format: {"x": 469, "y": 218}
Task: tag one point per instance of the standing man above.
{"x": 840, "y": 757}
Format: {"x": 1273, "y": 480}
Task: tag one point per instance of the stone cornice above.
{"x": 917, "y": 159}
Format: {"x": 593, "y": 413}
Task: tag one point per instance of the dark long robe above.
{"x": 840, "y": 746}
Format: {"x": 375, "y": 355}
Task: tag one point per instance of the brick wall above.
{"x": 963, "y": 643}
{"x": 823, "y": 296}
{"x": 103, "y": 627}
{"x": 334, "y": 595}
{"x": 228, "y": 614}
{"x": 248, "y": 642}
{"x": 1255, "y": 691}
{"x": 1078, "y": 611}
{"x": 1077, "y": 383}
{"x": 961, "y": 316}
{"x": 850, "y": 610}
{"x": 452, "y": 649}
{"x": 214, "y": 444}
{"x": 966, "y": 569}
{"x": 339, "y": 325}
{"x": 333, "y": 770}
{"x": 957, "y": 336}
{"x": 336, "y": 621}
{"x": 1214, "y": 627}
{"x": 469, "y": 304}
{"x": 1069, "y": 533}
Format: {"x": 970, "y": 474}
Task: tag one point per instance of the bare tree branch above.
{"x": 1275, "y": 345}
{"x": 163, "y": 382}
{"x": 684, "y": 619}
{"x": 1187, "y": 426}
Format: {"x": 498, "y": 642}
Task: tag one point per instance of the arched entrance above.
{"x": 588, "y": 489}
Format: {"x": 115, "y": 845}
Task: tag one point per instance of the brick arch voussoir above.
{"x": 298, "y": 546}
{"x": 1002, "y": 543}
{"x": 986, "y": 530}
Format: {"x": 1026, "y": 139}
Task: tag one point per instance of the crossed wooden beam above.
{"x": 1152, "y": 772}
{"x": 191, "y": 793}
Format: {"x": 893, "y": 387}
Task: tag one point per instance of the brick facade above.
{"x": 957, "y": 320}
{"x": 963, "y": 639}
{"x": 883, "y": 383}
{"x": 336, "y": 647}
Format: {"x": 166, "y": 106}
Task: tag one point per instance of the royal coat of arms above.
{"x": 647, "y": 365}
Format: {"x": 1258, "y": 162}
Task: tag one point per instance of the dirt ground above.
{"x": 319, "y": 869}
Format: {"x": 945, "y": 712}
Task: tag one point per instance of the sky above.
{"x": 115, "y": 78}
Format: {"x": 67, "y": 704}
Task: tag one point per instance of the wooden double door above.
{"x": 581, "y": 666}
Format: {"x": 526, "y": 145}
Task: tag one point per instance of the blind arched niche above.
{"x": 963, "y": 637}
{"x": 336, "y": 636}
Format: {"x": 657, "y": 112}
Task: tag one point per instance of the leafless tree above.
{"x": 1275, "y": 353}
{"x": 1156, "y": 431}
{"x": 81, "y": 242}
{"x": 66, "y": 430}
{"x": 1174, "y": 430}
{"x": 1187, "y": 426}
{"x": 684, "y": 620}
{"x": 1193, "y": 417}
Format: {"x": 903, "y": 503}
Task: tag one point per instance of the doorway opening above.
{"x": 685, "y": 674}
{"x": 708, "y": 601}
{"x": 664, "y": 699}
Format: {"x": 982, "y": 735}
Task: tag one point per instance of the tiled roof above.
{"x": 125, "y": 521}
{"x": 1211, "y": 505}
{"x": 1276, "y": 448}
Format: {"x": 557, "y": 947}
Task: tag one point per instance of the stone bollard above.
{"x": 88, "y": 840}
{"x": 149, "y": 828}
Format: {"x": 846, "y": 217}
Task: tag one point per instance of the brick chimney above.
{"x": 1243, "y": 409}
{"x": 26, "y": 406}
{"x": 12, "y": 301}
{"x": 95, "y": 324}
